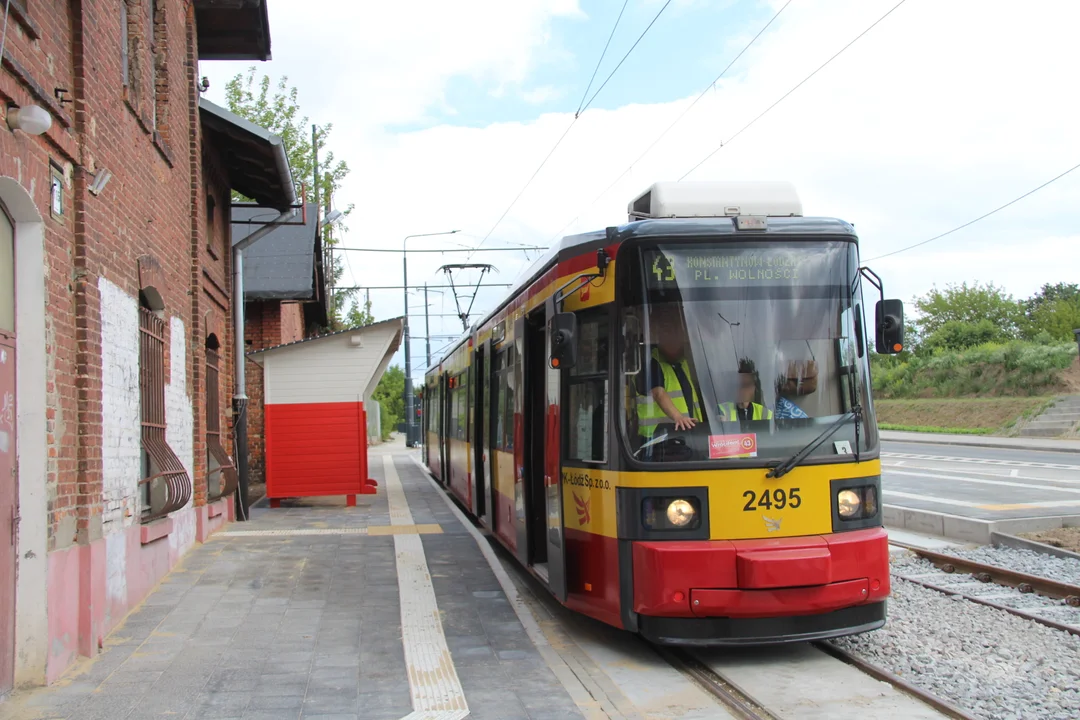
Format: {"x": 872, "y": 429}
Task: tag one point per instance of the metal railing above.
{"x": 166, "y": 481}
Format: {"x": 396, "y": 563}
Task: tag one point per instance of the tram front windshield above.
{"x": 741, "y": 352}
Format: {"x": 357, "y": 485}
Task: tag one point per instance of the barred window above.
{"x": 221, "y": 478}
{"x": 167, "y": 486}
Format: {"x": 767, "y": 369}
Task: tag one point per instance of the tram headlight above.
{"x": 671, "y": 513}
{"x": 848, "y": 504}
{"x": 854, "y": 503}
{"x": 680, "y": 513}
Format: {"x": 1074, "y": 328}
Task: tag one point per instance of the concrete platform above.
{"x": 322, "y": 611}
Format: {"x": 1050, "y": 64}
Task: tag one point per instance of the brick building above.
{"x": 115, "y": 311}
{"x": 285, "y": 301}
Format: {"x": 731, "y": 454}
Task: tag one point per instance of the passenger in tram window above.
{"x": 745, "y": 409}
{"x": 797, "y": 378}
{"x": 671, "y": 394}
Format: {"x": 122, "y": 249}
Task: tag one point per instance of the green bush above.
{"x": 990, "y": 369}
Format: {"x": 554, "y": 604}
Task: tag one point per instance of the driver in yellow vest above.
{"x": 744, "y": 408}
{"x": 671, "y": 396}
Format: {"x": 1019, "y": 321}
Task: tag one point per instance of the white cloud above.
{"x": 941, "y": 113}
{"x": 543, "y": 94}
{"x": 369, "y": 65}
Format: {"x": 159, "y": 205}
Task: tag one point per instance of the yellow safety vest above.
{"x": 649, "y": 412}
{"x": 760, "y": 412}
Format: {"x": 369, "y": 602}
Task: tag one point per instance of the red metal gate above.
{"x": 9, "y": 513}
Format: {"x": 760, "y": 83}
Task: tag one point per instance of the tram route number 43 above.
{"x": 769, "y": 499}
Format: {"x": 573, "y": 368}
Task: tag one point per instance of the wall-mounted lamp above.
{"x": 101, "y": 179}
{"x": 31, "y": 119}
{"x": 332, "y": 216}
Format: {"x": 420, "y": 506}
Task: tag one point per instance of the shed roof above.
{"x": 282, "y": 265}
{"x": 254, "y": 157}
{"x": 256, "y": 355}
{"x": 233, "y": 29}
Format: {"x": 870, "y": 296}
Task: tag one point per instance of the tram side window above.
{"x": 435, "y": 403}
{"x": 459, "y": 407}
{"x": 461, "y": 387}
{"x": 588, "y": 411}
{"x": 498, "y": 397}
{"x": 504, "y": 409}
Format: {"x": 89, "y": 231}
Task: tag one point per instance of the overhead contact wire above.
{"x": 789, "y": 92}
{"x": 662, "y": 135}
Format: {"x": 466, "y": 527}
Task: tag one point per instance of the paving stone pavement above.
{"x": 289, "y": 626}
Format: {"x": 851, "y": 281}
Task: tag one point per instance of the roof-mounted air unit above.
{"x": 716, "y": 199}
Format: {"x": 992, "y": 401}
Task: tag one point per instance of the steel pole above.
{"x": 427, "y": 326}
{"x": 408, "y": 364}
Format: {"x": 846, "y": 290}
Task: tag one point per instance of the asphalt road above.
{"x": 978, "y": 482}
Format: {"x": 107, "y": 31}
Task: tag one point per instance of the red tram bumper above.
{"x": 736, "y": 592}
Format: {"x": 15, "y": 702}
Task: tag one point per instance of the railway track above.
{"x": 945, "y": 708}
{"x": 950, "y": 566}
{"x": 739, "y": 703}
{"x": 746, "y": 707}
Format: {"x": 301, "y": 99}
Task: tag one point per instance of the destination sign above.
{"x": 669, "y": 269}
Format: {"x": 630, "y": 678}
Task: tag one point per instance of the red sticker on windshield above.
{"x": 726, "y": 446}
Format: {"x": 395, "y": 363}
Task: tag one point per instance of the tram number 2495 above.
{"x": 769, "y": 499}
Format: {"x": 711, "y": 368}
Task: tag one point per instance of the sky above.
{"x": 940, "y": 113}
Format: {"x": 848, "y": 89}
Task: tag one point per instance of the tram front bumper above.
{"x": 759, "y": 591}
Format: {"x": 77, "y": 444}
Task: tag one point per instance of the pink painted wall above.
{"x": 63, "y": 611}
{"x": 92, "y": 588}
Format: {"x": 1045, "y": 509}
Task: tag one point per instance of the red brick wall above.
{"x": 154, "y": 205}
{"x": 262, "y": 328}
{"x": 38, "y": 58}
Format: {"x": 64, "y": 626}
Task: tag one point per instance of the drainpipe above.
{"x": 240, "y": 397}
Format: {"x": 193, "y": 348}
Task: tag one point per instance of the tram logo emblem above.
{"x": 583, "y": 294}
{"x": 582, "y": 509}
{"x": 770, "y": 524}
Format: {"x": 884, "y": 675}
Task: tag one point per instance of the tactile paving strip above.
{"x": 433, "y": 680}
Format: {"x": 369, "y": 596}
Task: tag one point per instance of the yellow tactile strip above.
{"x": 433, "y": 680}
{"x": 422, "y": 529}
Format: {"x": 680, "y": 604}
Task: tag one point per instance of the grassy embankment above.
{"x": 984, "y": 390}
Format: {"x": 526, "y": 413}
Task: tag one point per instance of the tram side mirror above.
{"x": 890, "y": 327}
{"x": 563, "y": 344}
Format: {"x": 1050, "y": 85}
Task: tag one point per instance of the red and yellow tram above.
{"x": 758, "y": 522}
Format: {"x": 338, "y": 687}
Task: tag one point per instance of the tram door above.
{"x": 542, "y": 472}
{"x": 476, "y": 427}
{"x": 444, "y": 428}
{"x": 485, "y": 422}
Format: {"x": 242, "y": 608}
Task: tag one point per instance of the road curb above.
{"x": 971, "y": 530}
{"x": 963, "y": 441}
{"x": 1000, "y": 539}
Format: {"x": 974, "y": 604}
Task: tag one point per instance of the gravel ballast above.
{"x": 1064, "y": 570}
{"x": 990, "y": 663}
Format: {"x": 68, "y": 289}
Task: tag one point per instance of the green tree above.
{"x": 390, "y": 395}
{"x": 1053, "y": 311}
{"x": 279, "y": 112}
{"x": 358, "y": 317}
{"x": 965, "y": 309}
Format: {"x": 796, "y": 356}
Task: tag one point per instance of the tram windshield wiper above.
{"x": 788, "y": 465}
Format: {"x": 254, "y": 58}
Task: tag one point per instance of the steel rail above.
{"x": 880, "y": 673}
{"x": 738, "y": 702}
{"x": 1002, "y": 576}
{"x": 1027, "y": 614}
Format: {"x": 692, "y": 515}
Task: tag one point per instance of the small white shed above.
{"x": 315, "y": 391}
